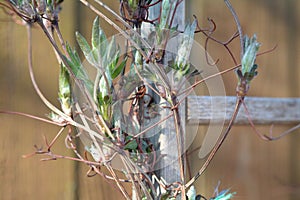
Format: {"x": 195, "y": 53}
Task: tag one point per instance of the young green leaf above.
{"x": 64, "y": 92}
{"x": 132, "y": 145}
{"x": 112, "y": 63}
{"x": 117, "y": 70}
{"x": 99, "y": 40}
{"x": 185, "y": 46}
{"x": 110, "y": 51}
{"x": 133, "y": 4}
{"x": 74, "y": 57}
{"x": 96, "y": 33}
{"x": 85, "y": 48}
{"x": 251, "y": 47}
{"x": 77, "y": 69}
{"x": 167, "y": 6}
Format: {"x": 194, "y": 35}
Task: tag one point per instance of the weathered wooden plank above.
{"x": 169, "y": 169}
{"x": 262, "y": 110}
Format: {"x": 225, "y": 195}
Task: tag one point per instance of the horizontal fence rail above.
{"x": 261, "y": 110}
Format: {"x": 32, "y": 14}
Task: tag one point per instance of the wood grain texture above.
{"x": 169, "y": 169}
{"x": 261, "y": 110}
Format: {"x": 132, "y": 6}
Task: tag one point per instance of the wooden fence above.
{"x": 254, "y": 168}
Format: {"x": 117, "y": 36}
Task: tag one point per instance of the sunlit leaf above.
{"x": 85, "y": 48}
{"x": 132, "y": 145}
{"x": 117, "y": 71}
{"x": 99, "y": 40}
{"x": 64, "y": 90}
{"x": 77, "y": 68}
{"x": 191, "y": 193}
{"x": 184, "y": 49}
{"x": 251, "y": 47}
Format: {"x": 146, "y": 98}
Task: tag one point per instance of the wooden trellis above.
{"x": 266, "y": 111}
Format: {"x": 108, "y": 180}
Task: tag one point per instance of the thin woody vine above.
{"x": 112, "y": 111}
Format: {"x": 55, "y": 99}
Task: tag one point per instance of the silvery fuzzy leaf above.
{"x": 111, "y": 50}
{"x": 166, "y": 6}
{"x": 191, "y": 193}
{"x": 185, "y": 46}
{"x": 64, "y": 92}
{"x": 86, "y": 49}
{"x": 105, "y": 85}
{"x": 224, "y": 195}
{"x": 251, "y": 47}
{"x": 77, "y": 69}
{"x": 98, "y": 36}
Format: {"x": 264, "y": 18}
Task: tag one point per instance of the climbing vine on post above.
{"x": 117, "y": 98}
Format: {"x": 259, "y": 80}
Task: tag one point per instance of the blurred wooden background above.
{"x": 254, "y": 168}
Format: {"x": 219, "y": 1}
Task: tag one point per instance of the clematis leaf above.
{"x": 64, "y": 90}
{"x": 85, "y": 48}
{"x": 251, "y": 47}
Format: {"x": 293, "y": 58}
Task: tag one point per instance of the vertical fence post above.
{"x": 169, "y": 170}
